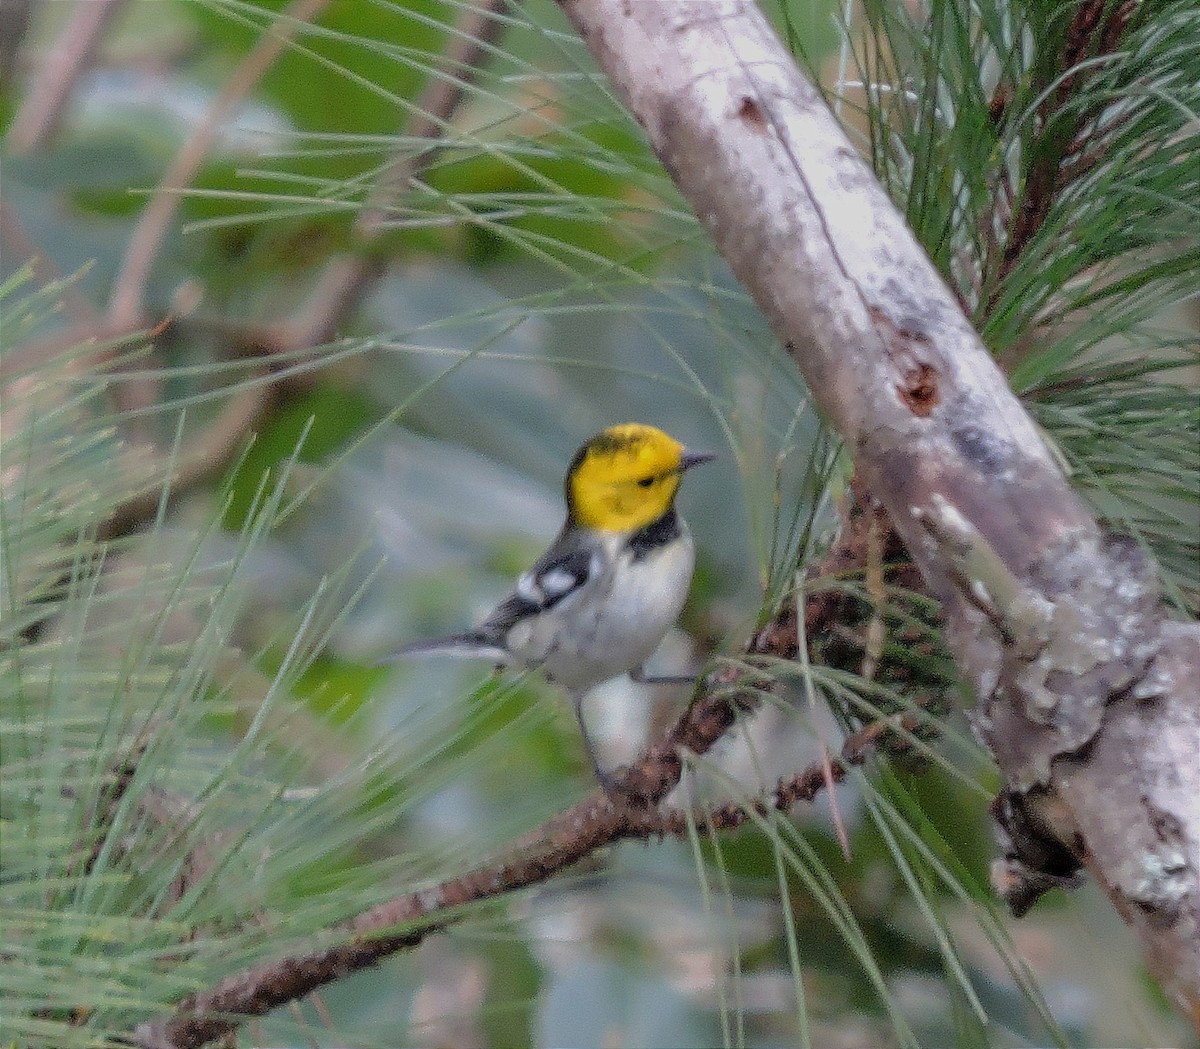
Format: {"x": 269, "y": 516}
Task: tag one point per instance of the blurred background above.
{"x": 305, "y": 308}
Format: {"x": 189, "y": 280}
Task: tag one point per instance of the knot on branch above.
{"x": 1082, "y": 634}
{"x": 1078, "y": 630}
{"x": 1035, "y": 858}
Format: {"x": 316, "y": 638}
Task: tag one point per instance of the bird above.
{"x": 602, "y": 597}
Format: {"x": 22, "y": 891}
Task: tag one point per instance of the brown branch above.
{"x": 580, "y": 831}
{"x": 68, "y": 59}
{"x": 98, "y": 823}
{"x": 14, "y": 25}
{"x": 404, "y": 922}
{"x": 474, "y": 37}
{"x": 126, "y": 307}
{"x": 894, "y": 735}
{"x": 344, "y": 281}
{"x": 162, "y": 810}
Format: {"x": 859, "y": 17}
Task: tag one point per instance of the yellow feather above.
{"x": 624, "y": 478}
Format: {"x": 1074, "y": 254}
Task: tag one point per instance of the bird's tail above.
{"x": 472, "y": 644}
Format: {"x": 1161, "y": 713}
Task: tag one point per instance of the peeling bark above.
{"x": 1087, "y": 693}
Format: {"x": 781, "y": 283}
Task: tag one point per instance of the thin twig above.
{"x": 161, "y": 809}
{"x": 68, "y": 59}
{"x": 568, "y": 838}
{"x": 126, "y": 305}
{"x": 99, "y": 820}
{"x": 347, "y": 277}
{"x": 892, "y": 735}
{"x": 474, "y": 36}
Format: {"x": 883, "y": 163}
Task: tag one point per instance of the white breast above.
{"x": 614, "y": 623}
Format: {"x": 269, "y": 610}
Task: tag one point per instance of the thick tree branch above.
{"x": 1082, "y": 655}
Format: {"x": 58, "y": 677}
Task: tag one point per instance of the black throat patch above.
{"x": 656, "y": 534}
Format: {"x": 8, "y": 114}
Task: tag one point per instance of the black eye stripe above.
{"x": 646, "y": 482}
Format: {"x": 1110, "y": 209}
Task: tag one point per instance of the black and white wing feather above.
{"x": 565, "y": 569}
{"x": 561, "y": 572}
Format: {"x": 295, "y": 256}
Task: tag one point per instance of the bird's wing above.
{"x": 560, "y": 573}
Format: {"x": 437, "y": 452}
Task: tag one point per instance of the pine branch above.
{"x": 1095, "y": 31}
{"x": 567, "y": 839}
{"x": 571, "y": 836}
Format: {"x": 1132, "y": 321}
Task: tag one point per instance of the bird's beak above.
{"x": 689, "y": 458}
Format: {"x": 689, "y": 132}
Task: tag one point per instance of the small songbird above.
{"x": 597, "y": 603}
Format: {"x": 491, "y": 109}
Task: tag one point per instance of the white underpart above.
{"x": 614, "y": 622}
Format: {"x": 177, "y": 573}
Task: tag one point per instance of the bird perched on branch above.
{"x": 597, "y": 603}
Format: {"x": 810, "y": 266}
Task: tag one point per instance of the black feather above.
{"x": 562, "y": 570}
{"x": 656, "y": 534}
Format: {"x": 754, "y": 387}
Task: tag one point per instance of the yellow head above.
{"x": 626, "y": 477}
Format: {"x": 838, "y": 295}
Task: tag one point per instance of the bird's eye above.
{"x": 645, "y": 482}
